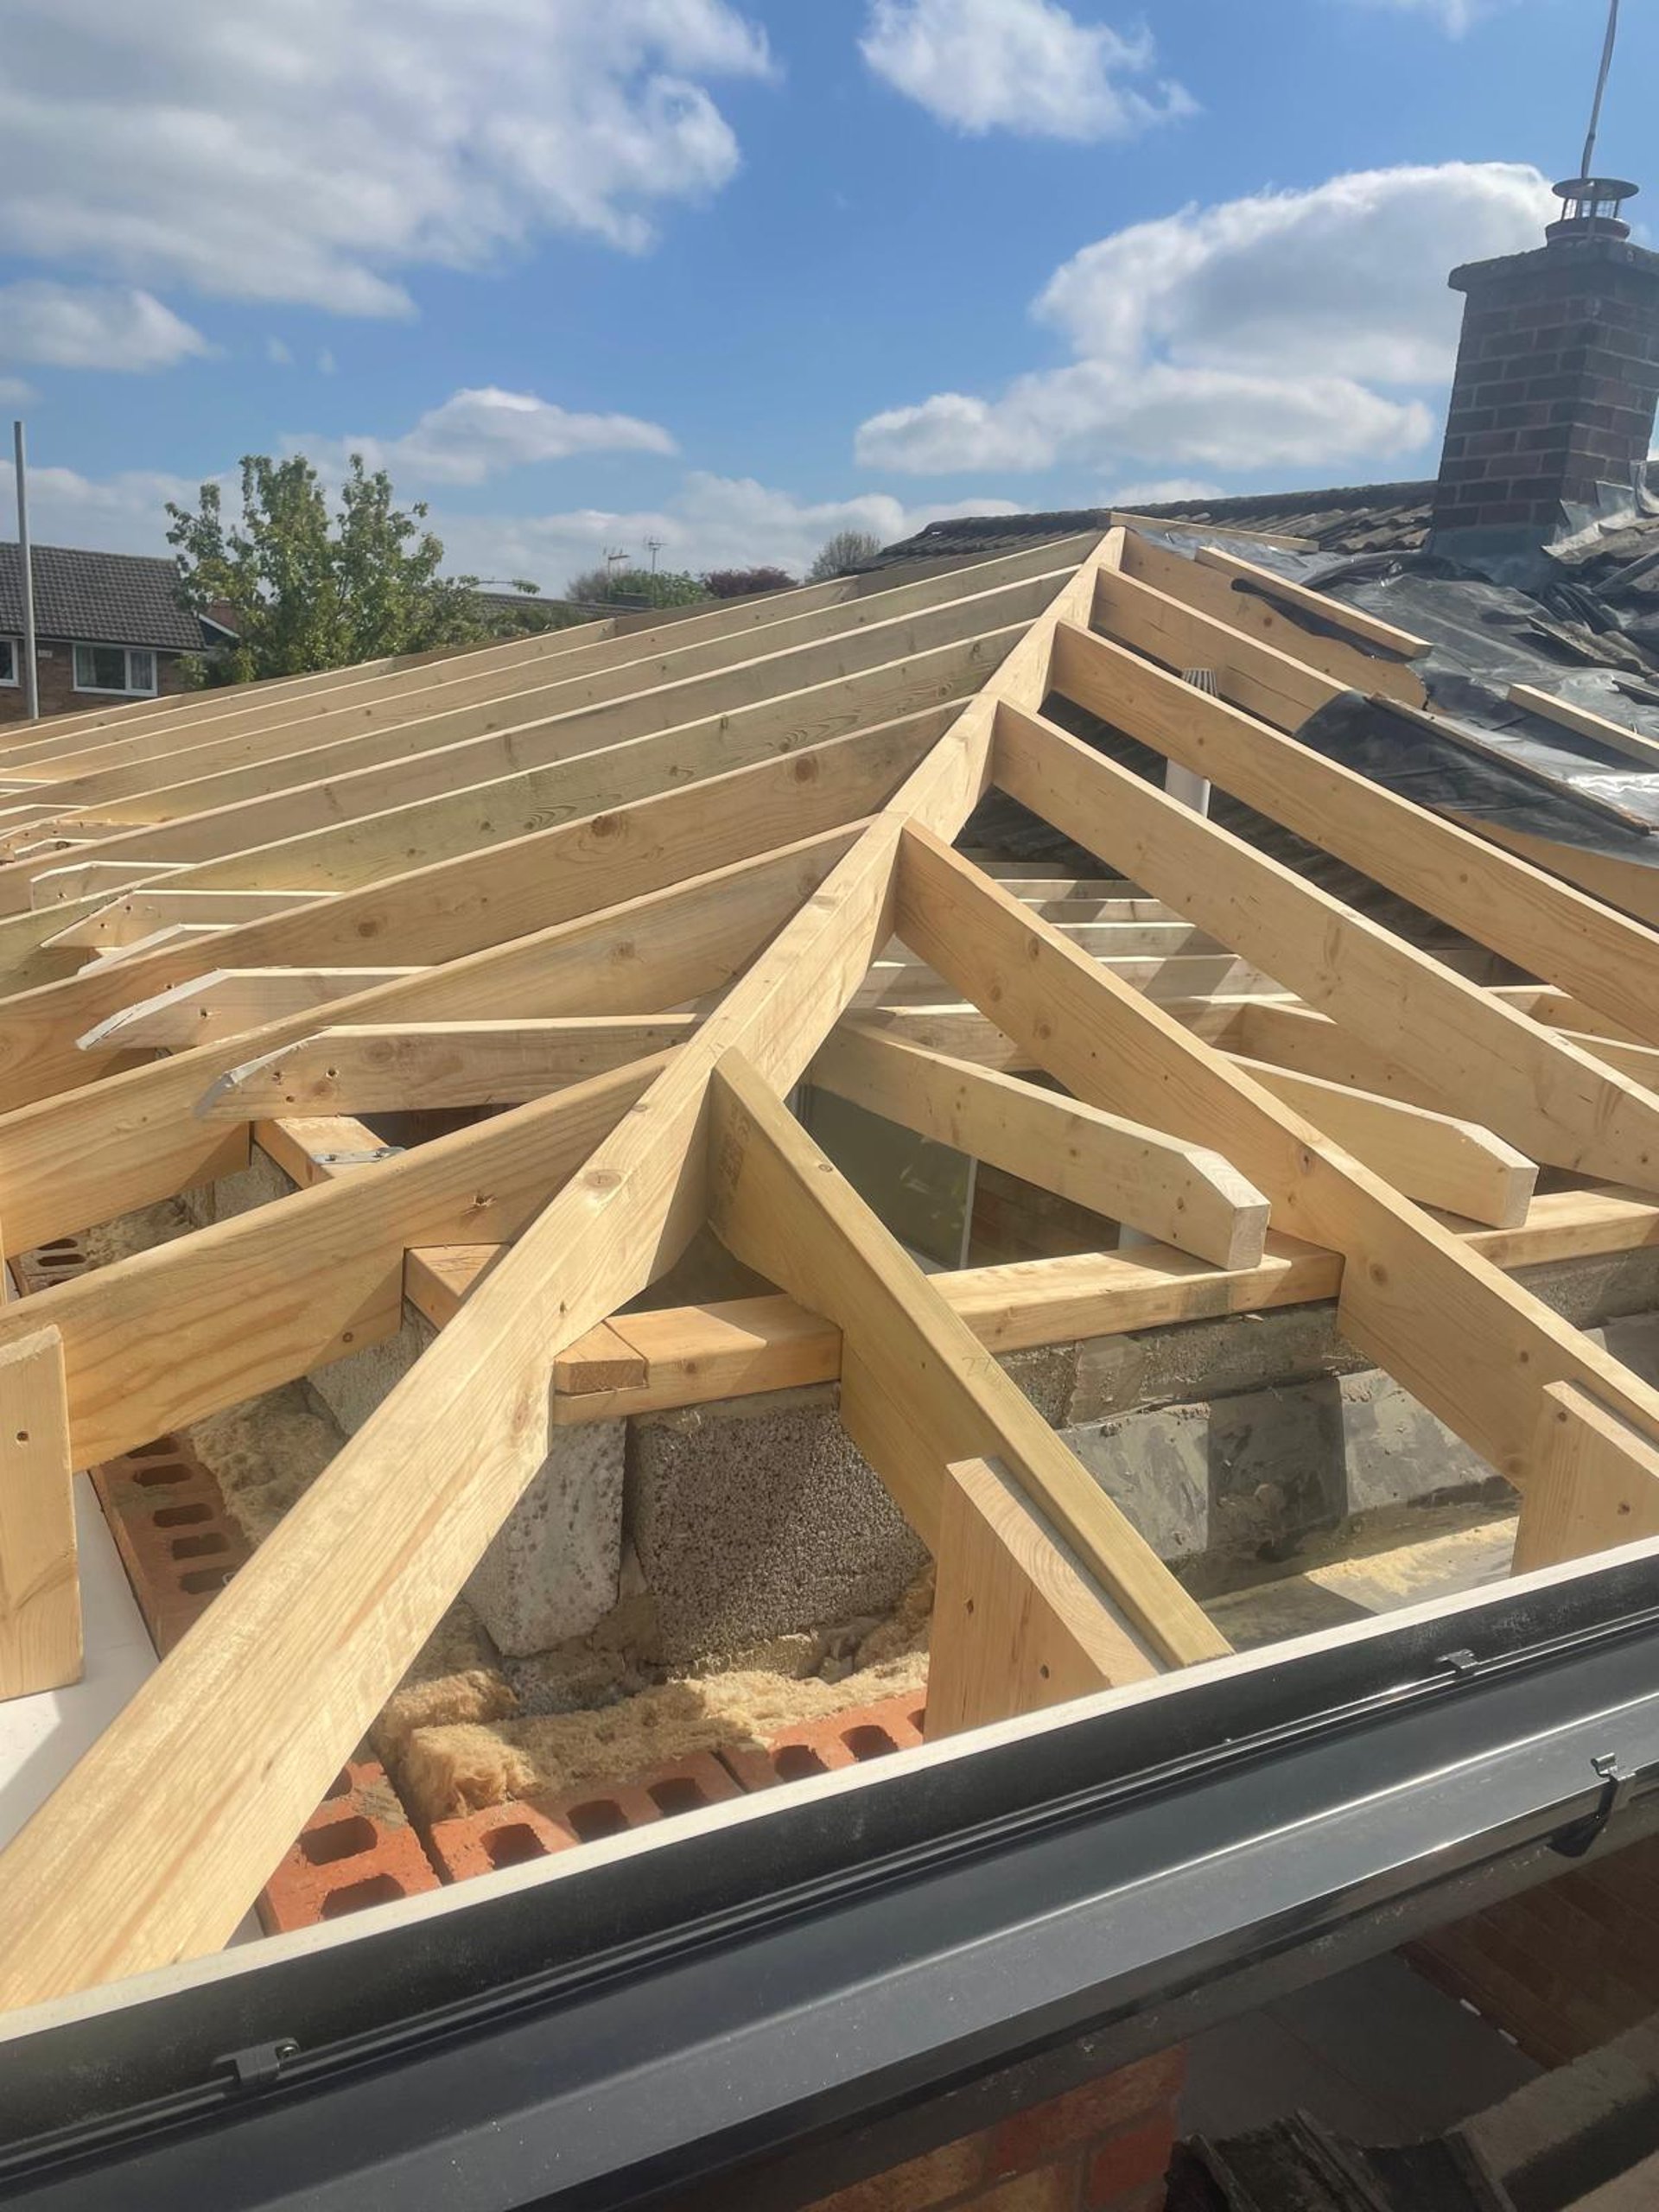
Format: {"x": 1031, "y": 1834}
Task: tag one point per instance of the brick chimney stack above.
{"x": 1557, "y": 382}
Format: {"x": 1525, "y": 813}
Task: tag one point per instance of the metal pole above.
{"x": 31, "y": 670}
{"x": 1601, "y": 86}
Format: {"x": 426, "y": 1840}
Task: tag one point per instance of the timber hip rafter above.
{"x": 620, "y": 895}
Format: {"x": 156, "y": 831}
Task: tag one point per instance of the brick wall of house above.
{"x": 1104, "y": 2147}
{"x": 56, "y": 664}
{"x": 1556, "y": 382}
{"x": 1563, "y": 1967}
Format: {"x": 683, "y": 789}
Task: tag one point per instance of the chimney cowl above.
{"x": 1593, "y": 205}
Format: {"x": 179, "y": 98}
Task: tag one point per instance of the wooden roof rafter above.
{"x": 646, "y": 987}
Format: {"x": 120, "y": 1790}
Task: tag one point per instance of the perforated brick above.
{"x": 843, "y": 1739}
{"x": 535, "y": 1827}
{"x": 52, "y": 1262}
{"x": 178, "y": 1543}
{"x": 356, "y": 1850}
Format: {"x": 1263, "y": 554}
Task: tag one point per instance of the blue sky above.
{"x": 736, "y": 273}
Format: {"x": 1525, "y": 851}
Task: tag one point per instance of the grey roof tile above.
{"x": 112, "y": 599}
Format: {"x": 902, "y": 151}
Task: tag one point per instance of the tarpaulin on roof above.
{"x": 1427, "y": 763}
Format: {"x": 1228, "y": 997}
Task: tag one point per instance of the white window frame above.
{"x": 127, "y": 691}
{"x": 16, "y": 677}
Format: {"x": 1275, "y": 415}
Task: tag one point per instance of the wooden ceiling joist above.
{"x": 628, "y": 892}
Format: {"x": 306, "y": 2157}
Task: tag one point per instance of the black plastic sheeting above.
{"x": 1517, "y": 768}
{"x": 1408, "y": 756}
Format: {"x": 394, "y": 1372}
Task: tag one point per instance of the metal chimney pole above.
{"x": 31, "y": 668}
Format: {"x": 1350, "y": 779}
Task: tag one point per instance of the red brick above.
{"x": 1152, "y": 2198}
{"x": 940, "y": 2177}
{"x": 356, "y": 1850}
{"x": 55, "y": 663}
{"x": 56, "y": 1261}
{"x": 178, "y": 1543}
{"x": 843, "y": 1739}
{"x": 1053, "y": 2190}
{"x": 535, "y": 1827}
{"x": 1133, "y": 2160}
{"x": 1101, "y": 2108}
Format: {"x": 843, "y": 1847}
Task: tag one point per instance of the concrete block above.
{"x": 757, "y": 1517}
{"x": 256, "y": 1185}
{"x": 1198, "y": 1361}
{"x": 552, "y": 1570}
{"x": 352, "y": 1388}
{"x": 1247, "y": 1477}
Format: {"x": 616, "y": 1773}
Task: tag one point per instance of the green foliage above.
{"x": 740, "y": 583}
{"x": 305, "y": 591}
{"x": 848, "y": 549}
{"x": 635, "y": 588}
{"x": 528, "y": 618}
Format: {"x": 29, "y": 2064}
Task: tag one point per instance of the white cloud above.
{"x": 712, "y": 522}
{"x": 125, "y": 513}
{"x": 308, "y": 150}
{"x": 14, "y": 392}
{"x": 1026, "y": 66}
{"x": 1163, "y": 493}
{"x": 279, "y": 355}
{"x": 478, "y": 434}
{"x": 92, "y": 327}
{"x": 325, "y": 363}
{"x": 1454, "y": 16}
{"x": 1253, "y": 334}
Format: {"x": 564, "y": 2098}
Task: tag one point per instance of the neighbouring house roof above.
{"x": 111, "y": 599}
{"x": 1601, "y": 610}
{"x": 1360, "y": 519}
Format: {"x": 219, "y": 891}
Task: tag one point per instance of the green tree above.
{"x": 848, "y": 549}
{"x": 305, "y": 590}
{"x": 635, "y": 588}
{"x": 742, "y": 584}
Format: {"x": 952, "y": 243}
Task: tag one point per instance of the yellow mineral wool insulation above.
{"x": 446, "y": 1771}
{"x": 135, "y": 1232}
{"x": 267, "y": 1454}
{"x": 455, "y": 1679}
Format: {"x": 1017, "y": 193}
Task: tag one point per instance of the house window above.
{"x": 10, "y": 658}
{"x": 129, "y": 668}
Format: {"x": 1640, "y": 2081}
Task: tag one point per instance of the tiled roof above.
{"x": 109, "y": 598}
{"x": 1599, "y": 606}
{"x": 1361, "y": 518}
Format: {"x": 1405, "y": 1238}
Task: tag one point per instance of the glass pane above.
{"x": 923, "y": 1190}
{"x": 8, "y": 662}
{"x": 109, "y": 668}
{"x": 84, "y": 676}
{"x": 141, "y": 672}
